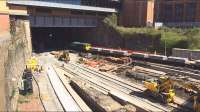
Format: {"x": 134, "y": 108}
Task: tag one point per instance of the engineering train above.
{"x": 161, "y": 59}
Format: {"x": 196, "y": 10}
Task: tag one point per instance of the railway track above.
{"x": 115, "y": 86}
{"x": 111, "y": 78}
{"x": 190, "y": 78}
{"x": 184, "y": 71}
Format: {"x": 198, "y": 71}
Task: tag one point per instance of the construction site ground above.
{"x": 98, "y": 99}
{"x": 31, "y": 102}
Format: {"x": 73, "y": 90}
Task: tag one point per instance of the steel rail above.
{"x": 139, "y": 99}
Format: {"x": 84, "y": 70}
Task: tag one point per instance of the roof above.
{"x": 61, "y": 5}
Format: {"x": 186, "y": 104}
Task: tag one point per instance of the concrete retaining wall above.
{"x": 186, "y": 53}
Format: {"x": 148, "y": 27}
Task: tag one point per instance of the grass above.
{"x": 24, "y": 98}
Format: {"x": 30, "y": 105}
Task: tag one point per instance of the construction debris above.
{"x": 61, "y": 55}
{"x": 92, "y": 63}
{"x": 101, "y": 93}
{"x": 99, "y": 101}
{"x": 122, "y": 60}
{"x": 148, "y": 71}
{"x": 106, "y": 68}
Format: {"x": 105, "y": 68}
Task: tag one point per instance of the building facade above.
{"x": 136, "y": 13}
{"x": 169, "y": 12}
{"x": 178, "y": 12}
{"x": 132, "y": 13}
{"x": 48, "y": 12}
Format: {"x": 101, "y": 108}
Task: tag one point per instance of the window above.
{"x": 179, "y": 12}
{"x": 190, "y": 12}
{"x": 168, "y": 13}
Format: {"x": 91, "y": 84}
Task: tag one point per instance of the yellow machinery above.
{"x": 33, "y": 65}
{"x": 193, "y": 90}
{"x": 196, "y": 103}
{"x": 161, "y": 88}
{"x": 88, "y": 47}
{"x": 63, "y": 56}
{"x": 81, "y": 46}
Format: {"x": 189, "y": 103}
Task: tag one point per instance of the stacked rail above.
{"x": 114, "y": 86}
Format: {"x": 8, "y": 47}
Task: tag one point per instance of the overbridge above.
{"x": 54, "y": 24}
{"x": 64, "y": 13}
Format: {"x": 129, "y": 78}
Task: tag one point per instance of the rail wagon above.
{"x": 177, "y": 61}
{"x": 157, "y": 58}
{"x": 119, "y": 53}
{"x": 139, "y": 56}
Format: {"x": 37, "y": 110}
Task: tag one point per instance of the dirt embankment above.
{"x": 104, "y": 35}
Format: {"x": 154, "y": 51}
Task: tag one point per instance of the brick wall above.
{"x": 4, "y": 22}
{"x": 133, "y": 13}
{"x": 177, "y": 10}
{"x": 198, "y": 14}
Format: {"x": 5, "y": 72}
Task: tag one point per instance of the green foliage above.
{"x": 172, "y": 39}
{"x": 111, "y": 20}
{"x": 188, "y": 38}
{"x": 12, "y": 93}
{"x": 193, "y": 38}
{"x": 133, "y": 31}
{"x": 23, "y": 100}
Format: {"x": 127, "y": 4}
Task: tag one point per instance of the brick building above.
{"x": 169, "y": 12}
{"x": 136, "y": 13}
{"x": 178, "y": 12}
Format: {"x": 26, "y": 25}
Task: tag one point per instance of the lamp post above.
{"x": 165, "y": 43}
{"x": 165, "y": 49}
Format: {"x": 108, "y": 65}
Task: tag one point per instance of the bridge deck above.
{"x": 61, "y": 5}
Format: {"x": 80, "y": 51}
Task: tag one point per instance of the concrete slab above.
{"x": 68, "y": 103}
{"x": 49, "y": 98}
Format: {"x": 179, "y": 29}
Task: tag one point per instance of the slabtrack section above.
{"x": 66, "y": 100}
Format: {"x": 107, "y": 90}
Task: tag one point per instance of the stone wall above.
{"x": 4, "y": 40}
{"x": 15, "y": 50}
